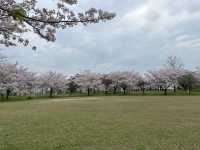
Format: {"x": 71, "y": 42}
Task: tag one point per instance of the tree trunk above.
{"x": 88, "y": 90}
{"x": 124, "y": 91}
{"x": 189, "y": 91}
{"x": 174, "y": 89}
{"x": 115, "y": 90}
{"x": 30, "y": 94}
{"x": 143, "y": 90}
{"x": 7, "y": 93}
{"x": 51, "y": 92}
{"x": 165, "y": 91}
{"x": 2, "y": 95}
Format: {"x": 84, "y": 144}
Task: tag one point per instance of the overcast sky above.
{"x": 141, "y": 37}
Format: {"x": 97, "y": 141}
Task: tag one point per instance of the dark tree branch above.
{"x": 54, "y": 22}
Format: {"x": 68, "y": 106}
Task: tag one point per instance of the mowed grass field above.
{"x": 101, "y": 123}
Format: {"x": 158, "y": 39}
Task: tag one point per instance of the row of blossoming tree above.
{"x": 16, "y": 80}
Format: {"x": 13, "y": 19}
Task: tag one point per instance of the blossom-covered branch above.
{"x": 17, "y": 18}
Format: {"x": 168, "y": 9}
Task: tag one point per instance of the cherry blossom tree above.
{"x": 88, "y": 81}
{"x": 175, "y": 69}
{"x": 16, "y": 80}
{"x": 142, "y": 84}
{"x": 115, "y": 76}
{"x": 124, "y": 80}
{"x": 161, "y": 79}
{"x": 8, "y": 78}
{"x": 166, "y": 78}
{"x": 128, "y": 79}
{"x": 107, "y": 82}
{"x": 174, "y": 62}
{"x": 72, "y": 85}
{"x": 18, "y": 18}
{"x": 26, "y": 81}
{"x": 53, "y": 82}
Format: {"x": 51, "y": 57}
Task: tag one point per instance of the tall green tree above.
{"x": 188, "y": 82}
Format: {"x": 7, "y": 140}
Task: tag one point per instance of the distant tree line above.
{"x": 16, "y": 80}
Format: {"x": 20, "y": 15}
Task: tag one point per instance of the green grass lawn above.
{"x": 101, "y": 123}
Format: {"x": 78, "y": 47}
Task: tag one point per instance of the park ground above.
{"x": 101, "y": 123}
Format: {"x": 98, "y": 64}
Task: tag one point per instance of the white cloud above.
{"x": 136, "y": 18}
{"x": 142, "y": 36}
